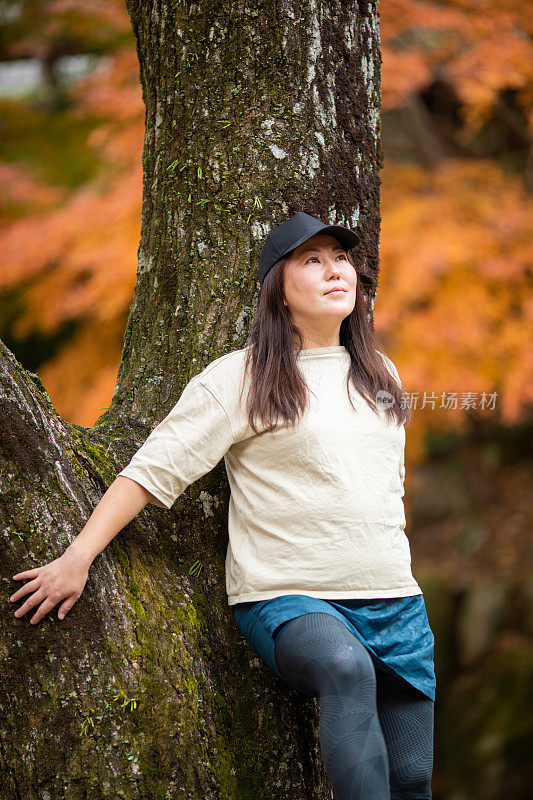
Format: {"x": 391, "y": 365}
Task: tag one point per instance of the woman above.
{"x": 310, "y": 421}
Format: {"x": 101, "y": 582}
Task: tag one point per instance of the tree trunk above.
{"x": 147, "y": 688}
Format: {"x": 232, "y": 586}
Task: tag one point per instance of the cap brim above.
{"x": 345, "y": 236}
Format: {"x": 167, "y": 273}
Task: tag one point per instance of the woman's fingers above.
{"x": 66, "y": 605}
{"x": 29, "y": 573}
{"x": 44, "y": 608}
{"x": 46, "y": 605}
{"x": 28, "y": 587}
{"x": 32, "y": 601}
{"x": 60, "y": 581}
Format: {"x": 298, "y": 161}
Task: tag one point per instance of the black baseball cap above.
{"x": 295, "y": 231}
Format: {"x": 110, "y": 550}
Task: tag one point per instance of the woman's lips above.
{"x": 334, "y": 291}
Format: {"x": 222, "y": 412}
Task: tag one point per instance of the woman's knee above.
{"x": 325, "y": 655}
{"x": 347, "y": 666}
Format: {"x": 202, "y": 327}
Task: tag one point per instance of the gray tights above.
{"x": 375, "y": 746}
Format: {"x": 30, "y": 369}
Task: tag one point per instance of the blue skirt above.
{"x": 395, "y": 631}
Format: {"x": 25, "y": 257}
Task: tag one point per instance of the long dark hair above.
{"x": 277, "y": 389}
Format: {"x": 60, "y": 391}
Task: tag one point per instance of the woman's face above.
{"x": 312, "y": 271}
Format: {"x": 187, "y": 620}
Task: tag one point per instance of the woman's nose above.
{"x": 333, "y": 268}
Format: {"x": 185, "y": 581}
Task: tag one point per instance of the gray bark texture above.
{"x": 147, "y": 688}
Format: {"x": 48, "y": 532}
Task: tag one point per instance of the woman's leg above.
{"x": 406, "y": 717}
{"x": 317, "y": 655}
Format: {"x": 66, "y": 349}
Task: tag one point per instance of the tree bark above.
{"x": 147, "y": 689}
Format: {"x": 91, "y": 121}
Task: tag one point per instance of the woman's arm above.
{"x": 124, "y": 499}
{"x": 186, "y": 444}
{"x": 65, "y": 577}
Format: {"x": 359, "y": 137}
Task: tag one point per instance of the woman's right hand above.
{"x": 61, "y": 579}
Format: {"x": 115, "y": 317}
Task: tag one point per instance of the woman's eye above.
{"x": 341, "y": 255}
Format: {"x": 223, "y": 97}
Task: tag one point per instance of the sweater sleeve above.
{"x": 394, "y": 372}
{"x": 183, "y": 447}
{"x": 402, "y": 471}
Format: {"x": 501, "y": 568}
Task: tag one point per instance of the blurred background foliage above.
{"x": 454, "y": 307}
{"x": 70, "y": 163}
